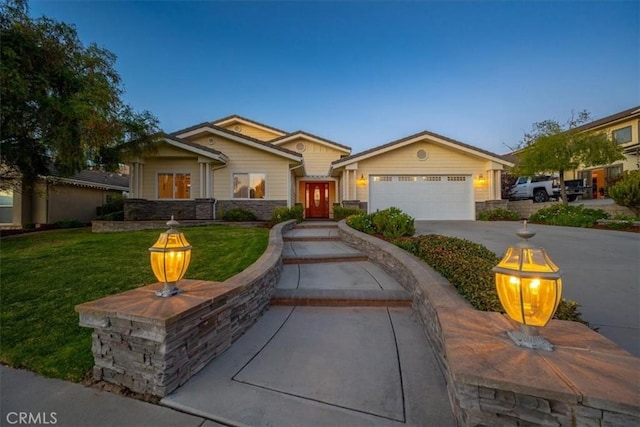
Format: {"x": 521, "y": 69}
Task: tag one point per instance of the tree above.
{"x": 554, "y": 148}
{"x": 626, "y": 192}
{"x": 61, "y": 106}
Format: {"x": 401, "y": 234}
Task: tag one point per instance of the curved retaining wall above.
{"x": 153, "y": 345}
{"x": 586, "y": 381}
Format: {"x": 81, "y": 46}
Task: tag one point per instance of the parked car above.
{"x": 541, "y": 188}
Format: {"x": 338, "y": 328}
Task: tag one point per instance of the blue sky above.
{"x": 365, "y": 73}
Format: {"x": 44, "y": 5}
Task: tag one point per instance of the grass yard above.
{"x": 45, "y": 275}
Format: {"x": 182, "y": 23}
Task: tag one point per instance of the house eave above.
{"x": 425, "y": 135}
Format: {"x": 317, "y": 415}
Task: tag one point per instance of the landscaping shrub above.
{"x": 297, "y": 213}
{"x": 340, "y": 212}
{"x": 113, "y": 216}
{"x": 620, "y": 222}
{"x": 239, "y": 215}
{"x": 115, "y": 204}
{"x": 390, "y": 223}
{"x": 69, "y": 223}
{"x": 626, "y": 192}
{"x": 572, "y": 216}
{"x": 468, "y": 267}
{"x": 393, "y": 223}
{"x": 361, "y": 222}
{"x": 282, "y": 213}
{"x": 499, "y": 214}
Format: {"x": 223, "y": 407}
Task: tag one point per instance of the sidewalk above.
{"x": 339, "y": 346}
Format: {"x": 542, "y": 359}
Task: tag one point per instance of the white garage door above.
{"x": 435, "y": 197}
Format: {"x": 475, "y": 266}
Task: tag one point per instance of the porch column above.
{"x": 490, "y": 184}
{"x": 201, "y": 193}
{"x": 138, "y": 180}
{"x": 208, "y": 181}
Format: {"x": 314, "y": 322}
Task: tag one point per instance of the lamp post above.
{"x": 529, "y": 286}
{"x": 170, "y": 258}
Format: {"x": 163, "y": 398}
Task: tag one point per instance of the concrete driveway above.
{"x": 601, "y": 268}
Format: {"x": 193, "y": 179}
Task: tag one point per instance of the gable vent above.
{"x": 422, "y": 154}
{"x": 300, "y": 146}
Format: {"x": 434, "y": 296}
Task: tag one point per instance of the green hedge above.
{"x": 499, "y": 214}
{"x": 568, "y": 215}
{"x": 468, "y": 267}
{"x": 340, "y": 212}
{"x": 239, "y": 215}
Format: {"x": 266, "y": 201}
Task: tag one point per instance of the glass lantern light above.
{"x": 529, "y": 286}
{"x": 170, "y": 258}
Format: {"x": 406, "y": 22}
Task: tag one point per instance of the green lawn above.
{"x": 45, "y": 275}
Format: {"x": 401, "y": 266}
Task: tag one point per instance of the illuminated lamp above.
{"x": 170, "y": 258}
{"x": 529, "y": 286}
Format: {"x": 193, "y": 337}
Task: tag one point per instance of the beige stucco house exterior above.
{"x": 201, "y": 171}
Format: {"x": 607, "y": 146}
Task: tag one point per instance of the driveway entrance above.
{"x": 601, "y": 268}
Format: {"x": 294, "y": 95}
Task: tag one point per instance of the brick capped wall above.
{"x": 153, "y": 345}
{"x": 586, "y": 381}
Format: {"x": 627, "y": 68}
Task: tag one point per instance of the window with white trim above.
{"x": 174, "y": 186}
{"x": 249, "y": 185}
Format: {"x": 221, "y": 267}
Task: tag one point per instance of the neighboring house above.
{"x": 207, "y": 169}
{"x": 624, "y": 128}
{"x": 56, "y": 199}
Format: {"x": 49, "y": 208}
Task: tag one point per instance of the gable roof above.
{"x": 443, "y": 140}
{"x": 622, "y": 115}
{"x": 237, "y": 118}
{"x": 210, "y": 128}
{"x": 301, "y": 134}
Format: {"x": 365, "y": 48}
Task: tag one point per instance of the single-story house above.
{"x": 56, "y": 199}
{"x": 201, "y": 171}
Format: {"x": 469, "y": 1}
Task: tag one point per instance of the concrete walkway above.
{"x": 339, "y": 347}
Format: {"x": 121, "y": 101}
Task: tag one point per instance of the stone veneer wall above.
{"x": 145, "y": 210}
{"x": 526, "y": 208}
{"x": 153, "y": 345}
{"x": 586, "y": 381}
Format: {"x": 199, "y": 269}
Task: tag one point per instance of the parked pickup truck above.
{"x": 544, "y": 187}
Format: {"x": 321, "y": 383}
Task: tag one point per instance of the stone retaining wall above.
{"x": 526, "y": 208}
{"x": 586, "y": 381}
{"x": 153, "y": 345}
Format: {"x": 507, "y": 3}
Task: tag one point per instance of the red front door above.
{"x": 317, "y": 199}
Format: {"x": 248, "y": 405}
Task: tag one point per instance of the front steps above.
{"x": 320, "y": 270}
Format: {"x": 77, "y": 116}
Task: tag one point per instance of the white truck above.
{"x": 544, "y": 187}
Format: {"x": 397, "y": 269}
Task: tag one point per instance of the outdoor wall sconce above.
{"x": 170, "y": 258}
{"x": 362, "y": 180}
{"x": 480, "y": 180}
{"x": 529, "y": 286}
